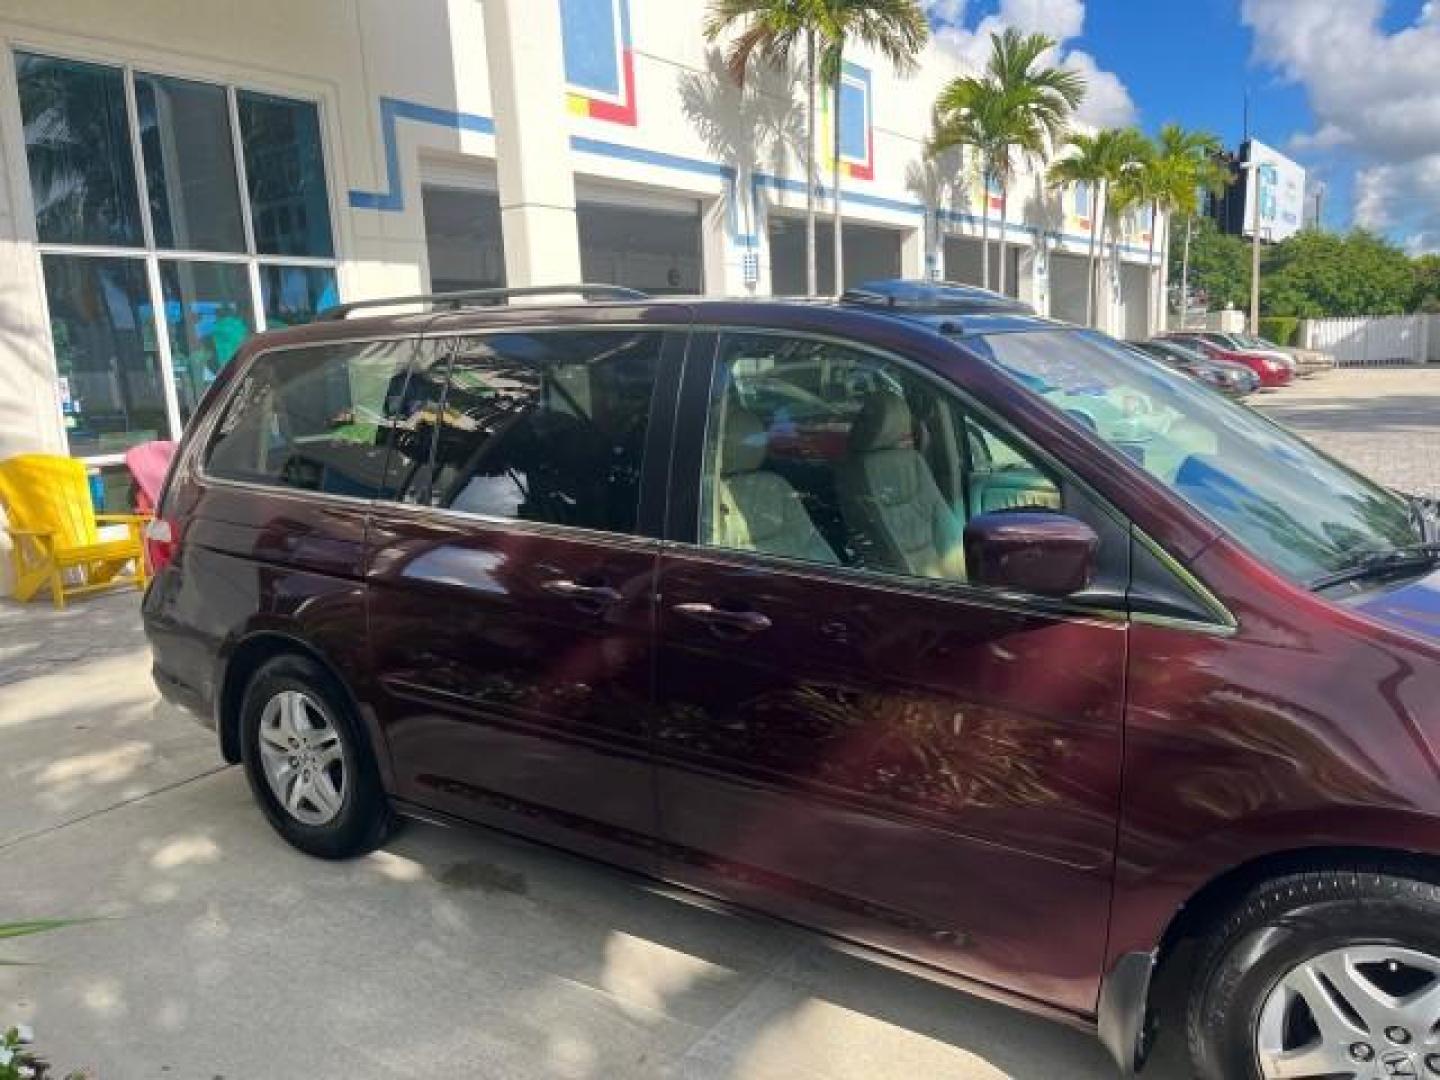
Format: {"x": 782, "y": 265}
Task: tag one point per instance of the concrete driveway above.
{"x": 223, "y": 953}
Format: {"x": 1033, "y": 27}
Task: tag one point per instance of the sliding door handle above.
{"x": 591, "y": 595}
{"x": 745, "y": 622}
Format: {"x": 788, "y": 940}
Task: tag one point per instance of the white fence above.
{"x": 1378, "y": 342}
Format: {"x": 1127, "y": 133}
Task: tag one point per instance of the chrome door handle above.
{"x": 585, "y": 594}
{"x": 748, "y": 622}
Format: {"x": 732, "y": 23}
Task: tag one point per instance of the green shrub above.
{"x": 1280, "y": 329}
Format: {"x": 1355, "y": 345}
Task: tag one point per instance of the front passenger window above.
{"x": 832, "y": 455}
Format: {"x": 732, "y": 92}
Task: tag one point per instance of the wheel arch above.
{"x": 239, "y": 665}
{"x": 1124, "y": 1013}
{"x": 1217, "y": 896}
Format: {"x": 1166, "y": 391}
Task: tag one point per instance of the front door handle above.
{"x": 587, "y": 595}
{"x": 746, "y": 622}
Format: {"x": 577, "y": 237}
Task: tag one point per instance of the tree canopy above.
{"x": 1312, "y": 274}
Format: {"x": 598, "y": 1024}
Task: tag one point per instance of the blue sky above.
{"x": 1350, "y": 88}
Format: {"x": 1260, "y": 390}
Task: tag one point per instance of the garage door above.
{"x": 871, "y": 253}
{"x": 1067, "y": 288}
{"x": 963, "y": 264}
{"x": 640, "y": 239}
{"x": 462, "y": 238}
{"x": 1134, "y": 322}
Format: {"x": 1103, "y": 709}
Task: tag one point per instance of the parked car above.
{"x": 1307, "y": 361}
{"x": 1235, "y": 380}
{"x": 1272, "y": 371}
{"x": 1006, "y": 695}
{"x": 1245, "y": 343}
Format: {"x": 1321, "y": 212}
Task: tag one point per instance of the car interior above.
{"x": 831, "y": 455}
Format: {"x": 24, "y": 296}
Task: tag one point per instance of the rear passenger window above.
{"x": 546, "y": 426}
{"x": 313, "y": 419}
{"x": 833, "y": 455}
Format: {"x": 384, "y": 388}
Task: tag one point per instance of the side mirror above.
{"x": 1030, "y": 551}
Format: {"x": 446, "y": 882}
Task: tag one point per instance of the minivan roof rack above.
{"x": 483, "y": 298}
{"x": 937, "y": 297}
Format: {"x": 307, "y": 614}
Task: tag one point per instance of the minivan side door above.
{"x": 510, "y": 586}
{"x": 850, "y": 733}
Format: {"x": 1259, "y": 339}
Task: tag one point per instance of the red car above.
{"x": 1040, "y": 665}
{"x": 1271, "y": 372}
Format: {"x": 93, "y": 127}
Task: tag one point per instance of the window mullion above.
{"x": 162, "y": 345}
{"x": 257, "y": 297}
{"x": 152, "y": 264}
{"x": 241, "y": 176}
{"x": 142, "y": 188}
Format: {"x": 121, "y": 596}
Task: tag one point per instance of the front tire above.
{"x": 1323, "y": 974}
{"x": 307, "y": 761}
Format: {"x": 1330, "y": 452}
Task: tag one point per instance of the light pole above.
{"x": 1257, "y": 171}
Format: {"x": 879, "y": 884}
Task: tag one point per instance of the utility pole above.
{"x": 1185, "y": 275}
{"x": 1253, "y": 167}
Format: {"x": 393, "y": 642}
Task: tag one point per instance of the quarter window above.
{"x": 313, "y": 419}
{"x": 547, "y": 427}
{"x": 832, "y": 455}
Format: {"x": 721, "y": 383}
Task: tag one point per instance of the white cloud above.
{"x": 1061, "y": 19}
{"x": 1376, "y": 99}
{"x": 1107, "y": 101}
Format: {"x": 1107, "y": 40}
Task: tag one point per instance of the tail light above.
{"x": 162, "y": 540}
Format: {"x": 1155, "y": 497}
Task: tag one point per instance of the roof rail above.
{"x": 483, "y": 298}
{"x": 932, "y": 296}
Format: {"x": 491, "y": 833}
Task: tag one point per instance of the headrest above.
{"x": 746, "y": 442}
{"x": 883, "y": 424}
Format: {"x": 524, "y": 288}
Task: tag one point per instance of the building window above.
{"x": 175, "y": 218}
{"x": 77, "y": 142}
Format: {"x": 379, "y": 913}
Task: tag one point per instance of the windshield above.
{"x": 1298, "y": 510}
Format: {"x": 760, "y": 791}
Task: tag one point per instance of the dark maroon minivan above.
{"x": 975, "y": 641}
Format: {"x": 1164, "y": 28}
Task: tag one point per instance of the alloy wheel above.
{"x": 302, "y": 757}
{"x": 1361, "y": 1012}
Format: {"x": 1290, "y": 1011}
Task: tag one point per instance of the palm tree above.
{"x": 773, "y": 30}
{"x": 1018, "y": 110}
{"x": 960, "y": 126}
{"x": 1098, "y": 161}
{"x": 1182, "y": 163}
{"x": 897, "y": 30}
{"x": 1038, "y": 101}
{"x": 1195, "y": 168}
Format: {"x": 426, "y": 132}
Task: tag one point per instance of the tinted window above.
{"x": 535, "y": 427}
{"x": 314, "y": 419}
{"x": 208, "y": 317}
{"x": 112, "y": 391}
{"x": 77, "y": 143}
{"x": 819, "y": 452}
{"x": 296, "y": 294}
{"x": 285, "y": 170}
{"x": 189, "y": 164}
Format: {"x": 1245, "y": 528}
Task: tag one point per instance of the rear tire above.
{"x": 1311, "y": 976}
{"x": 308, "y": 762}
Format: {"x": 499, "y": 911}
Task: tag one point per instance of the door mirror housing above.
{"x": 1030, "y": 551}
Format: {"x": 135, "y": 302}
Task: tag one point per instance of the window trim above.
{"x": 130, "y": 63}
{"x": 1224, "y": 624}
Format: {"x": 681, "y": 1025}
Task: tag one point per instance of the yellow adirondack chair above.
{"x": 56, "y": 532}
